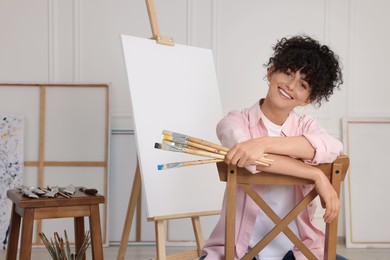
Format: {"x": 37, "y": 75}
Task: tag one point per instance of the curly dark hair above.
{"x": 317, "y": 62}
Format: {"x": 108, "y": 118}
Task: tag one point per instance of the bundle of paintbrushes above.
{"x": 60, "y": 249}
{"x": 176, "y": 142}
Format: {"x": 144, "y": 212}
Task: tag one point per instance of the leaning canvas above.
{"x": 11, "y": 165}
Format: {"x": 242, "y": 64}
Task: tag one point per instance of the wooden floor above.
{"x": 143, "y": 252}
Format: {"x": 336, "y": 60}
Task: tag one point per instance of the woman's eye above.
{"x": 303, "y": 85}
{"x": 289, "y": 74}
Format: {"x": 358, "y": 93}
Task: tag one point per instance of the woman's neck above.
{"x": 274, "y": 114}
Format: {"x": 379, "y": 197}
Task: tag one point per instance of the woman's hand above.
{"x": 328, "y": 196}
{"x": 246, "y": 153}
{"x": 293, "y": 167}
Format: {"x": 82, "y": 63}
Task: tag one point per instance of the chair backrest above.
{"x": 245, "y": 176}
{"x": 234, "y": 177}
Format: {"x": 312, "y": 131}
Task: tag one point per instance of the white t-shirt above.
{"x": 282, "y": 200}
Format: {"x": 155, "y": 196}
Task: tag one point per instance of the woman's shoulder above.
{"x": 248, "y": 114}
{"x": 298, "y": 124}
{"x": 301, "y": 118}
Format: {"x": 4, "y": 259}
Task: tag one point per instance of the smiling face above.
{"x": 317, "y": 62}
{"x": 288, "y": 90}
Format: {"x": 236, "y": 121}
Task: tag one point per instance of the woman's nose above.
{"x": 292, "y": 83}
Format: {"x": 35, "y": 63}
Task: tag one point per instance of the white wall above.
{"x": 67, "y": 41}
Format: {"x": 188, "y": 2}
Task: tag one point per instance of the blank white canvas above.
{"x": 367, "y": 213}
{"x": 173, "y": 88}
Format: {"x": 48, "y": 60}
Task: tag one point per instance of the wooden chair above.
{"x": 234, "y": 176}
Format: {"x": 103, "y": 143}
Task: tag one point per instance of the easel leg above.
{"x": 198, "y": 233}
{"x": 139, "y": 216}
{"x": 135, "y": 202}
{"x": 135, "y": 193}
{"x": 331, "y": 228}
{"x": 160, "y": 240}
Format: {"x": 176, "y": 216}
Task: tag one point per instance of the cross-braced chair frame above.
{"x": 234, "y": 177}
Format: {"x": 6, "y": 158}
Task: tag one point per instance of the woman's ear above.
{"x": 270, "y": 70}
{"x": 306, "y": 102}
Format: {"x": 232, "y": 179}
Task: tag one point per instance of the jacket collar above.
{"x": 255, "y": 116}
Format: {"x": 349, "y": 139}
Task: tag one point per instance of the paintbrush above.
{"x": 187, "y": 143}
{"x": 181, "y": 140}
{"x": 175, "y": 147}
{"x": 170, "y": 146}
{"x": 186, "y": 163}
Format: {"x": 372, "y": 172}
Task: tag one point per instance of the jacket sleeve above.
{"x": 327, "y": 148}
{"x": 233, "y": 129}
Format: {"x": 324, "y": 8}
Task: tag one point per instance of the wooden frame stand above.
{"x": 159, "y": 227}
{"x": 134, "y": 203}
{"x": 39, "y": 116}
{"x": 154, "y": 26}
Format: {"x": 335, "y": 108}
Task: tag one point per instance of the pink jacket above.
{"x": 240, "y": 126}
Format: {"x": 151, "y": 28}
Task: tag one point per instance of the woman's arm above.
{"x": 233, "y": 129}
{"x": 304, "y": 139}
{"x": 293, "y": 167}
{"x": 245, "y": 153}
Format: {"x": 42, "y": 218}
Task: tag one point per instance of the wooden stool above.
{"x": 77, "y": 207}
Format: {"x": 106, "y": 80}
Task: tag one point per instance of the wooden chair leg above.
{"x": 79, "y": 231}
{"x": 331, "y": 240}
{"x": 230, "y": 220}
{"x": 331, "y": 228}
{"x": 96, "y": 235}
{"x": 13, "y": 239}
{"x": 27, "y": 232}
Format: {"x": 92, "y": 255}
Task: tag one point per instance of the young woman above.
{"x": 301, "y": 71}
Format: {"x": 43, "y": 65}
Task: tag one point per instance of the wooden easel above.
{"x": 42, "y": 163}
{"x": 135, "y": 202}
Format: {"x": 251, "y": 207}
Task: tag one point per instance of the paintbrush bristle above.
{"x": 161, "y": 167}
{"x": 157, "y": 145}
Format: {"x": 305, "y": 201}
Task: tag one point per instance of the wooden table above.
{"x": 78, "y": 206}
